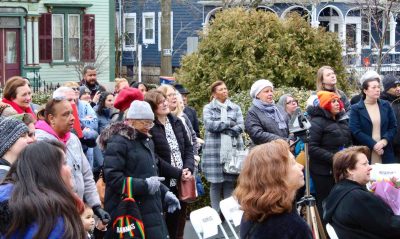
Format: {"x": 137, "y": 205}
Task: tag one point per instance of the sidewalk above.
{"x": 191, "y": 234}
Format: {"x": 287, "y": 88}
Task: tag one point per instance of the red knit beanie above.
{"x": 125, "y": 98}
{"x": 325, "y": 98}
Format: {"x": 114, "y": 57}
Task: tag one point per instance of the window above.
{"x": 365, "y": 32}
{"x": 159, "y": 30}
{"x": 66, "y": 36}
{"x": 351, "y": 36}
{"x": 58, "y": 37}
{"x": 74, "y": 33}
{"x": 129, "y": 41}
{"x": 386, "y": 28}
{"x": 148, "y": 28}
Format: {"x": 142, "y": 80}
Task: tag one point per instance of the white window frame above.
{"x": 368, "y": 46}
{"x": 79, "y": 37}
{"x": 52, "y": 36}
{"x": 387, "y": 31}
{"x": 144, "y": 16}
{"x": 357, "y": 21}
{"x": 159, "y": 30}
{"x": 129, "y": 47}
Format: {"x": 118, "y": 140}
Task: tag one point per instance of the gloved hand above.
{"x": 172, "y": 202}
{"x": 231, "y": 133}
{"x": 153, "y": 184}
{"x": 100, "y": 213}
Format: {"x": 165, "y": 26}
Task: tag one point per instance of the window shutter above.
{"x": 88, "y": 38}
{"x": 45, "y": 41}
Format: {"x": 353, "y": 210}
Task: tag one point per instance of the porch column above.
{"x": 393, "y": 24}
{"x": 343, "y": 38}
{"x": 29, "y": 50}
{"x": 314, "y": 17}
{"x": 36, "y": 40}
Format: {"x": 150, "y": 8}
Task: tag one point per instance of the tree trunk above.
{"x": 166, "y": 49}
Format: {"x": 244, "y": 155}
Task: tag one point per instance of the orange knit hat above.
{"x": 325, "y": 98}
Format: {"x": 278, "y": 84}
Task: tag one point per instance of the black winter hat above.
{"x": 390, "y": 81}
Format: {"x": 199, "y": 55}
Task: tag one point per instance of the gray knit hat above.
{"x": 11, "y": 130}
{"x": 140, "y": 110}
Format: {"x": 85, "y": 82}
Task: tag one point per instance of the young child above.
{"x": 88, "y": 221}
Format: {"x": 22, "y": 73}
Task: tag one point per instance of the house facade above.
{"x": 139, "y": 23}
{"x": 356, "y": 30}
{"x": 51, "y": 40}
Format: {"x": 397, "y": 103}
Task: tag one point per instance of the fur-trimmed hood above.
{"x": 119, "y": 128}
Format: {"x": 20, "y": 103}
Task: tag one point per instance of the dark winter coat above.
{"x": 104, "y": 119}
{"x": 355, "y": 213}
{"x": 262, "y": 129}
{"x": 327, "y": 136}
{"x": 131, "y": 154}
{"x": 192, "y": 115}
{"x": 282, "y": 226}
{"x": 395, "y": 103}
{"x": 361, "y": 127}
{"x": 163, "y": 151}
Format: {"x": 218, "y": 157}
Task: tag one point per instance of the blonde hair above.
{"x": 179, "y": 107}
{"x": 165, "y": 88}
{"x": 118, "y": 82}
{"x": 71, "y": 84}
{"x": 320, "y": 77}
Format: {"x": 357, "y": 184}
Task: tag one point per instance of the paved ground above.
{"x": 191, "y": 234}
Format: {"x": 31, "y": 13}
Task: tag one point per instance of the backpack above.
{"x": 127, "y": 220}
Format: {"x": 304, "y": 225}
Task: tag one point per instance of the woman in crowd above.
{"x": 141, "y": 86}
{"x": 104, "y": 110}
{"x": 223, "y": 123}
{"x": 120, "y": 83}
{"x": 350, "y": 208}
{"x": 57, "y": 126}
{"x": 175, "y": 152}
{"x": 84, "y": 94}
{"x": 289, "y": 104}
{"x": 130, "y": 154}
{"x": 329, "y": 133}
{"x": 18, "y": 95}
{"x": 28, "y": 121}
{"x": 265, "y": 121}
{"x": 372, "y": 120}
{"x": 326, "y": 81}
{"x": 266, "y": 190}
{"x": 13, "y": 139}
{"x": 36, "y": 198}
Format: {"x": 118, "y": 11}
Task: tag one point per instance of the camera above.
{"x": 299, "y": 124}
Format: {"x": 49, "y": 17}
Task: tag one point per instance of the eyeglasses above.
{"x": 292, "y": 102}
{"x": 147, "y": 124}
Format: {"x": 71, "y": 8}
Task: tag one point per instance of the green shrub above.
{"x": 241, "y": 46}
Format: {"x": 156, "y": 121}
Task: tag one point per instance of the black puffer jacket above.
{"x": 355, "y": 213}
{"x": 163, "y": 151}
{"x": 327, "y": 136}
{"x": 395, "y": 103}
{"x": 129, "y": 153}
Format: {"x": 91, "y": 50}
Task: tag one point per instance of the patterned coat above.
{"x": 210, "y": 163}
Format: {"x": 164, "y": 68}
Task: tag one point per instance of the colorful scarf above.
{"x": 19, "y": 109}
{"x": 271, "y": 111}
{"x": 43, "y": 125}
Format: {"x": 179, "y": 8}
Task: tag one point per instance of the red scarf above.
{"x": 77, "y": 124}
{"x": 19, "y": 109}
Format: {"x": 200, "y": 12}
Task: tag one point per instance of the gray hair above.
{"x": 61, "y": 91}
{"x": 282, "y": 100}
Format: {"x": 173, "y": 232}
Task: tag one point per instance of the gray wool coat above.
{"x": 262, "y": 129}
{"x": 210, "y": 163}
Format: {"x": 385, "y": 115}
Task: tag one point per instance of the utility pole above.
{"x": 166, "y": 49}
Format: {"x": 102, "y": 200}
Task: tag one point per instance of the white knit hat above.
{"x": 258, "y": 86}
{"x": 370, "y": 75}
{"x": 140, "y": 110}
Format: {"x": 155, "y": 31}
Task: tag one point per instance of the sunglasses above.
{"x": 75, "y": 88}
{"x": 292, "y": 102}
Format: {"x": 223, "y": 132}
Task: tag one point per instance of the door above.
{"x": 9, "y": 54}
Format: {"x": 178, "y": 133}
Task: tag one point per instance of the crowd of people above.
{"x": 147, "y": 141}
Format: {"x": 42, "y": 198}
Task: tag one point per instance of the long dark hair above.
{"x": 102, "y": 102}
{"x": 40, "y": 195}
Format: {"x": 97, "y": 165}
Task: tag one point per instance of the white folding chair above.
{"x": 232, "y": 213}
{"x": 205, "y": 222}
{"x": 331, "y": 231}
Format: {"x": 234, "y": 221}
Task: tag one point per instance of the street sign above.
{"x": 167, "y": 52}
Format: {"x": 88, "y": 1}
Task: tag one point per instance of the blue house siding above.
{"x": 187, "y": 21}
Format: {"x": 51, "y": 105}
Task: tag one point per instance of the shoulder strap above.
{"x": 127, "y": 187}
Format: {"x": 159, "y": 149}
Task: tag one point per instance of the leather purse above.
{"x": 187, "y": 191}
